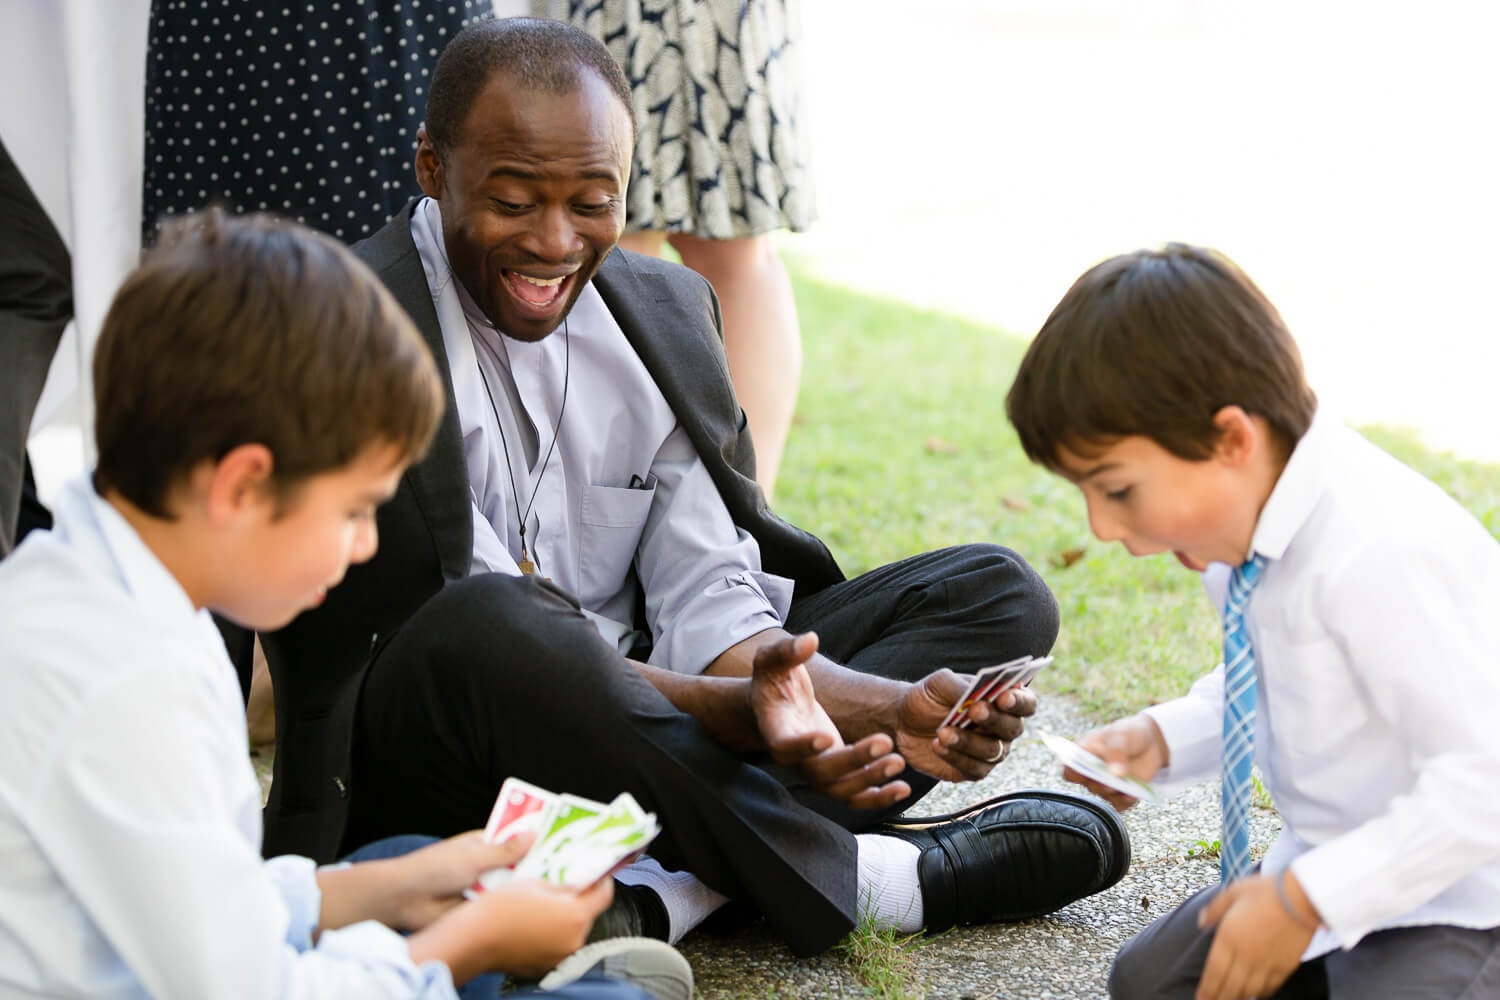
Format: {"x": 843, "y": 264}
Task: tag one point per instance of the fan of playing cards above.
{"x": 1095, "y": 769}
{"x": 992, "y": 682}
{"x": 578, "y": 840}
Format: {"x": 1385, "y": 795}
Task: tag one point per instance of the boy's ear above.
{"x": 1239, "y": 436}
{"x": 240, "y": 481}
{"x": 429, "y": 167}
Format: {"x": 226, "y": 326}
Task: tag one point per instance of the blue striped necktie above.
{"x": 1239, "y": 722}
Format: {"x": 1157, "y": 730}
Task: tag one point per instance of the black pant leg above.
{"x": 963, "y": 607}
{"x": 36, "y": 303}
{"x": 500, "y": 676}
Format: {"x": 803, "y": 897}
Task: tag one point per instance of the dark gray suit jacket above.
{"x": 671, "y": 318}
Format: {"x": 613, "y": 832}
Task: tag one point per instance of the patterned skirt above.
{"x": 722, "y": 150}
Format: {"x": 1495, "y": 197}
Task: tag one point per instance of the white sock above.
{"x": 688, "y": 902}
{"x": 890, "y": 894}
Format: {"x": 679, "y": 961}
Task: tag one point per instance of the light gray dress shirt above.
{"x": 130, "y": 820}
{"x": 1377, "y": 641}
{"x": 626, "y": 517}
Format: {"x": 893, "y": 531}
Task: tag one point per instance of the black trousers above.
{"x": 36, "y": 303}
{"x": 499, "y": 676}
{"x": 1435, "y": 962}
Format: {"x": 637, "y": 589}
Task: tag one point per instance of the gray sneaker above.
{"x": 646, "y": 963}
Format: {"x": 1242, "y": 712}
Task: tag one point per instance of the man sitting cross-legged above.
{"x": 581, "y": 584}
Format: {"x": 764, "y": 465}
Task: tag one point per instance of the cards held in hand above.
{"x": 992, "y": 682}
{"x": 578, "y": 841}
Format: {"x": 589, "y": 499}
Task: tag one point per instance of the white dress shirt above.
{"x": 626, "y": 517}
{"x": 130, "y": 819}
{"x": 1376, "y": 630}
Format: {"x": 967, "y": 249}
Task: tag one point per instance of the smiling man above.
{"x": 582, "y": 586}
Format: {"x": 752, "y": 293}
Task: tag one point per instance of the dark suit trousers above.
{"x": 498, "y": 676}
{"x": 36, "y": 303}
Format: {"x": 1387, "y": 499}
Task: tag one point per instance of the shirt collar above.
{"x": 145, "y": 576}
{"x": 1297, "y": 489}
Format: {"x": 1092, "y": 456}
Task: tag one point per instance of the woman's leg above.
{"x": 761, "y": 333}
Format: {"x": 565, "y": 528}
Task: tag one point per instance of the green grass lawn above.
{"x": 901, "y": 445}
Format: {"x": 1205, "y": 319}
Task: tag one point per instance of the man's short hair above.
{"x": 540, "y": 55}
{"x": 1154, "y": 343}
{"x": 253, "y": 330}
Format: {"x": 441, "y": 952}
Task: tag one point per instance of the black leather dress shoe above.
{"x": 1016, "y": 856}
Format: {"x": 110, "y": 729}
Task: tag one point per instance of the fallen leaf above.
{"x": 937, "y": 446}
{"x": 1015, "y": 504}
{"x": 1067, "y": 557}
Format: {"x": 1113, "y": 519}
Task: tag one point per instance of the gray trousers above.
{"x": 36, "y": 303}
{"x": 1165, "y": 962}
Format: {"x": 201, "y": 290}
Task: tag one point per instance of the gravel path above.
{"x": 1065, "y": 955}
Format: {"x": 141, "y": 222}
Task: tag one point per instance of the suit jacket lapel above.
{"x": 694, "y": 377}
{"x": 440, "y": 482}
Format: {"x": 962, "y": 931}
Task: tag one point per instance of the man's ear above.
{"x": 1240, "y": 437}
{"x": 429, "y": 167}
{"x": 239, "y": 482}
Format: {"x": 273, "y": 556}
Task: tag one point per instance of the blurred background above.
{"x": 976, "y": 156}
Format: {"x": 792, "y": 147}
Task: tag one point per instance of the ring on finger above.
{"x": 999, "y": 756}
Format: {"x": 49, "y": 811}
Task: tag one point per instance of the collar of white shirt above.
{"x": 1298, "y": 488}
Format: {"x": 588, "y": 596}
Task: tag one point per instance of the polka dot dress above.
{"x": 308, "y": 110}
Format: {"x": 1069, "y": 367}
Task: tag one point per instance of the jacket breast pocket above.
{"x": 612, "y": 520}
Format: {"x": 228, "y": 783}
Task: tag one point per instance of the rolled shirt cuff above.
{"x": 295, "y": 879}
{"x": 725, "y": 612}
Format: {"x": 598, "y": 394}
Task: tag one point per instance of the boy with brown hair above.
{"x": 259, "y": 393}
{"x": 1360, "y": 656}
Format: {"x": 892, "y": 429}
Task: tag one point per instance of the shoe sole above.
{"x": 646, "y": 963}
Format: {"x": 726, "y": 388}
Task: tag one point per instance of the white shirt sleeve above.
{"x": 1416, "y": 626}
{"x": 704, "y": 588}
{"x": 145, "y": 843}
{"x": 1193, "y": 729}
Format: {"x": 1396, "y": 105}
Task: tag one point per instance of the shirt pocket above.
{"x": 612, "y": 519}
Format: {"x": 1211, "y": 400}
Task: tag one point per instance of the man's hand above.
{"x": 1258, "y": 944}
{"x": 1132, "y": 746}
{"x": 950, "y": 753}
{"x": 799, "y": 733}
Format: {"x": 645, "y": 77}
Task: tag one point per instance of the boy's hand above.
{"x": 520, "y": 928}
{"x": 947, "y": 752}
{"x": 1258, "y": 944}
{"x": 1132, "y": 746}
{"x": 432, "y": 880}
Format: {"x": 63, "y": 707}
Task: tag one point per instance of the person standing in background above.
{"x": 721, "y": 163}
{"x": 36, "y": 303}
{"x": 308, "y": 110}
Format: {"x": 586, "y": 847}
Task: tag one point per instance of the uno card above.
{"x": 981, "y": 680}
{"x": 569, "y": 824}
{"x": 520, "y": 807}
{"x": 1017, "y": 675}
{"x": 578, "y": 840}
{"x": 618, "y": 838}
{"x": 991, "y": 682}
{"x": 1095, "y": 769}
